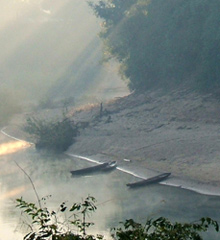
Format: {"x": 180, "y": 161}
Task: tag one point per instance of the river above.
{"x": 115, "y": 202}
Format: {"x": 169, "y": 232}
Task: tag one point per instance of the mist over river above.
{"x": 153, "y": 106}
{"x": 115, "y": 202}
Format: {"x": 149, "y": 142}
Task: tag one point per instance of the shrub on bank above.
{"x": 52, "y": 135}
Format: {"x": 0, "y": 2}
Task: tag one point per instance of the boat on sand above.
{"x": 151, "y": 180}
{"x": 111, "y": 166}
{"x": 107, "y": 166}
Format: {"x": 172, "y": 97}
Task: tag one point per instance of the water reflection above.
{"x": 116, "y": 202}
{"x": 12, "y": 147}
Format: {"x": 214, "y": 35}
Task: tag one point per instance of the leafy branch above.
{"x": 50, "y": 224}
{"x": 163, "y": 229}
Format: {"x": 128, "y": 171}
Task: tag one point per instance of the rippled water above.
{"x": 115, "y": 201}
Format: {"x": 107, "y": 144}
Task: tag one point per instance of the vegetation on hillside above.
{"x": 70, "y": 223}
{"x": 52, "y": 135}
{"x": 163, "y": 43}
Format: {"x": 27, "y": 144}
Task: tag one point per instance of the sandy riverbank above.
{"x": 156, "y": 132}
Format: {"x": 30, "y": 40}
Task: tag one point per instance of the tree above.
{"x": 112, "y": 11}
{"x": 163, "y": 43}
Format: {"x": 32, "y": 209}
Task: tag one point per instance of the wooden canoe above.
{"x": 151, "y": 180}
{"x": 111, "y": 166}
{"x": 100, "y": 167}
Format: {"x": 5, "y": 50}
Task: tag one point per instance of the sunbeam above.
{"x": 40, "y": 40}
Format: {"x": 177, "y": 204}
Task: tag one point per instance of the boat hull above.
{"x": 148, "y": 181}
{"x": 108, "y": 166}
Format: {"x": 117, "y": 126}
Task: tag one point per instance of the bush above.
{"x": 57, "y": 225}
{"x": 52, "y": 135}
{"x": 163, "y": 229}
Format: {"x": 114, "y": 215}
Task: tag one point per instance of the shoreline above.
{"x": 175, "y": 132}
{"x": 151, "y": 133}
{"x": 194, "y": 186}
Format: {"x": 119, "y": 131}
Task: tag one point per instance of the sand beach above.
{"x": 151, "y": 133}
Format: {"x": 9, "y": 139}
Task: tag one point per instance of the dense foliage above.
{"x": 162, "y": 43}
{"x": 163, "y": 229}
{"x": 52, "y": 135}
{"x": 59, "y": 225}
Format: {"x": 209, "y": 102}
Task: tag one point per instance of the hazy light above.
{"x": 12, "y": 193}
{"x": 12, "y": 147}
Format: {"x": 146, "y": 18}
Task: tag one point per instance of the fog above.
{"x": 51, "y": 52}
{"x": 51, "y": 49}
{"x": 115, "y": 202}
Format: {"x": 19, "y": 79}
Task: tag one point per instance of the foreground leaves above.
{"x": 61, "y": 224}
{"x": 70, "y": 223}
{"x": 163, "y": 229}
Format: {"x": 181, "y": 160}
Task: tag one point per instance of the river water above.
{"x": 115, "y": 202}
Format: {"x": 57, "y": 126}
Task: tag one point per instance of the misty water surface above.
{"x": 115, "y": 202}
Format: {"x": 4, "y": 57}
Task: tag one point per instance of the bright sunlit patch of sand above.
{"x": 12, "y": 147}
{"x": 87, "y": 107}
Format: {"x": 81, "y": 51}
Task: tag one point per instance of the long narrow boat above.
{"x": 92, "y": 169}
{"x": 111, "y": 166}
{"x": 147, "y": 181}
